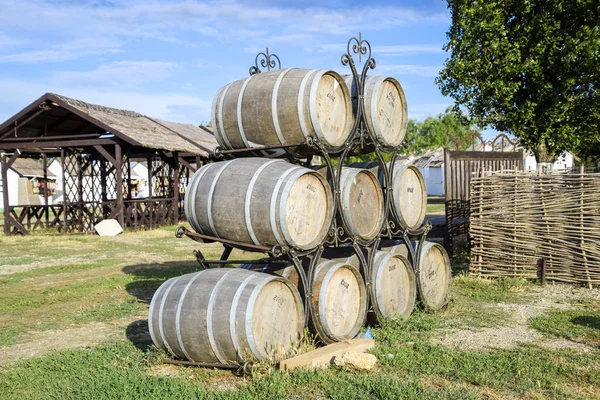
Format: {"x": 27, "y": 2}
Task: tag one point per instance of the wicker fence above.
{"x": 524, "y": 223}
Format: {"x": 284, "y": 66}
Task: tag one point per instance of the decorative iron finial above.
{"x": 360, "y": 47}
{"x": 268, "y": 61}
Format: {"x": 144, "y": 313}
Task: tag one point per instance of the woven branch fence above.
{"x": 520, "y": 218}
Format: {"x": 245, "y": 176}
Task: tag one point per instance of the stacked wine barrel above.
{"x": 228, "y": 315}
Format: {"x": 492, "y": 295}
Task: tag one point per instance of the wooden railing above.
{"x": 82, "y": 217}
{"x": 150, "y": 213}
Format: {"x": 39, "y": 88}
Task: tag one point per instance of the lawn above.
{"x": 73, "y": 324}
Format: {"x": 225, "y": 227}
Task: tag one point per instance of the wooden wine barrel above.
{"x": 260, "y": 201}
{"x": 394, "y": 286}
{"x": 399, "y": 248}
{"x": 287, "y": 271}
{"x": 340, "y": 301}
{"x": 393, "y": 283}
{"x": 433, "y": 273}
{"x": 409, "y": 194}
{"x": 339, "y": 298}
{"x": 225, "y": 315}
{"x": 433, "y": 276}
{"x": 386, "y": 110}
{"x": 283, "y": 107}
{"x": 361, "y": 202}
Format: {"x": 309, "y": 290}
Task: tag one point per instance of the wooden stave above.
{"x": 257, "y": 230}
{"x": 232, "y": 345}
{"x": 283, "y": 126}
{"x": 372, "y": 87}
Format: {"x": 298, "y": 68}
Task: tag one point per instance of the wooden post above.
{"x": 515, "y": 247}
{"x": 119, "y": 178}
{"x": 149, "y": 206}
{"x": 5, "y": 193}
{"x": 175, "y": 183}
{"x": 581, "y": 227}
{"x": 64, "y": 189}
{"x": 46, "y": 210}
{"x": 128, "y": 179}
{"x": 80, "y": 193}
{"x": 447, "y": 196}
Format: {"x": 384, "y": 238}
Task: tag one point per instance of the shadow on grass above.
{"x": 138, "y": 334}
{"x": 148, "y": 277}
{"x": 587, "y": 321}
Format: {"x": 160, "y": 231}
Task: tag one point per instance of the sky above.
{"x": 168, "y": 59}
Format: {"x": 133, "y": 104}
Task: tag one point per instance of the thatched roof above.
{"x": 65, "y": 122}
{"x": 30, "y": 168}
{"x": 149, "y": 132}
{"x": 433, "y": 159}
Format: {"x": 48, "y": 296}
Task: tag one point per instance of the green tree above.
{"x": 436, "y": 132}
{"x": 528, "y": 67}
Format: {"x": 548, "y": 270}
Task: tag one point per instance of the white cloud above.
{"x": 107, "y": 27}
{"x": 117, "y": 74}
{"x": 409, "y": 69}
{"x": 170, "y": 106}
{"x": 422, "y": 111}
{"x": 403, "y": 50}
{"x": 69, "y": 50}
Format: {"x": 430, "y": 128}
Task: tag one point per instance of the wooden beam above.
{"x": 45, "y": 166}
{"x": 57, "y": 144}
{"x": 187, "y": 165}
{"x": 5, "y": 192}
{"x": 175, "y": 183}
{"x": 323, "y": 356}
{"x": 33, "y": 139}
{"x": 16, "y": 128}
{"x": 8, "y": 219}
{"x": 12, "y": 159}
{"x": 64, "y": 190}
{"x": 119, "y": 178}
{"x": 31, "y": 107}
{"x": 484, "y": 155}
{"x": 106, "y": 154}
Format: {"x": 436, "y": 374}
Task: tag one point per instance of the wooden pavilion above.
{"x": 95, "y": 146}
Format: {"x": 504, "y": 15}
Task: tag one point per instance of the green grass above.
{"x": 120, "y": 371}
{"x": 577, "y": 325}
{"x": 417, "y": 370}
{"x": 83, "y": 278}
{"x": 487, "y": 290}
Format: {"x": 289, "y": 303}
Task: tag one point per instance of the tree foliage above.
{"x": 433, "y": 133}
{"x": 436, "y": 132}
{"x": 528, "y": 67}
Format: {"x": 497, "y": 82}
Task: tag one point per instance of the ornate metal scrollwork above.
{"x": 360, "y": 47}
{"x": 266, "y": 60}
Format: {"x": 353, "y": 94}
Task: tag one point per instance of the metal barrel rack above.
{"x": 360, "y": 139}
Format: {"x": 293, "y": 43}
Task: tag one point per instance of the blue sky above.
{"x": 167, "y": 59}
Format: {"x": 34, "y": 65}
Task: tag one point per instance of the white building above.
{"x": 431, "y": 165}
{"x": 563, "y": 162}
{"x": 26, "y": 184}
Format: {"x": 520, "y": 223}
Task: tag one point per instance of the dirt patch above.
{"x": 164, "y": 370}
{"x": 40, "y": 343}
{"x": 517, "y": 331}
